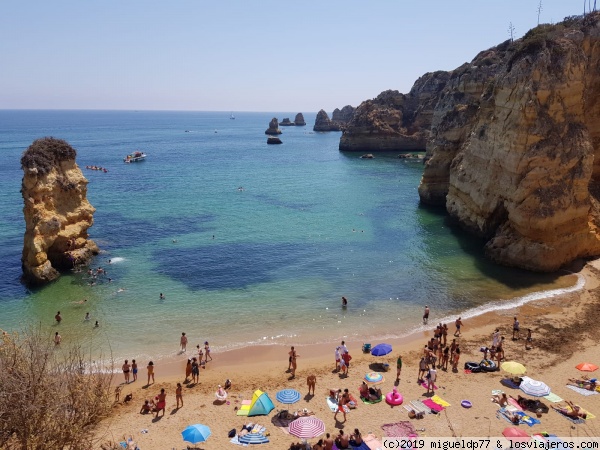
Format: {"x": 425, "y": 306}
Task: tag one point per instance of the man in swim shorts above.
{"x": 426, "y": 315}
{"x": 516, "y": 329}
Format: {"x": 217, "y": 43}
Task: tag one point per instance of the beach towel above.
{"x": 333, "y": 405}
{"x": 509, "y": 383}
{"x": 515, "y": 404}
{"x": 372, "y": 442}
{"x": 433, "y": 405}
{"x": 371, "y": 402}
{"x": 503, "y": 414}
{"x": 524, "y": 418}
{"x": 572, "y": 419}
{"x": 418, "y": 406}
{"x": 581, "y": 391}
{"x": 440, "y": 401}
{"x": 552, "y": 397}
{"x": 588, "y": 416}
{"x": 244, "y": 409}
{"x": 424, "y": 384}
{"x": 399, "y": 429}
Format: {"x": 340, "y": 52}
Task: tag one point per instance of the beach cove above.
{"x": 239, "y": 267}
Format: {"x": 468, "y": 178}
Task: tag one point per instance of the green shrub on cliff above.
{"x": 45, "y": 153}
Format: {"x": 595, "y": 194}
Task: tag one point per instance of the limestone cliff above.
{"x": 394, "y": 121}
{"x": 273, "y": 127}
{"x": 57, "y": 212}
{"x": 514, "y": 153}
{"x": 344, "y": 115}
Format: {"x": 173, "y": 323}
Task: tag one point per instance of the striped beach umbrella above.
{"x": 373, "y": 377}
{"x": 288, "y": 396}
{"x": 534, "y": 388}
{"x": 253, "y": 438}
{"x": 307, "y": 427}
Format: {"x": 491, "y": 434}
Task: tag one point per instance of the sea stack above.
{"x": 324, "y": 123}
{"x": 273, "y": 127}
{"x": 299, "y": 120}
{"x": 286, "y": 122}
{"x": 56, "y": 210}
{"x": 273, "y": 140}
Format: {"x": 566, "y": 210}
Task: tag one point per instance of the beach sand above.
{"x": 564, "y": 332}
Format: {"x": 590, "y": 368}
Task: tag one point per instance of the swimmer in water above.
{"x": 162, "y": 297}
{"x": 344, "y": 301}
{"x": 87, "y": 316}
{"x": 120, "y": 289}
{"x": 96, "y": 325}
{"x": 80, "y": 302}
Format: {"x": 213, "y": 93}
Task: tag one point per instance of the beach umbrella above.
{"x": 196, "y": 433}
{"x": 534, "y": 388}
{"x": 288, "y": 396}
{"x": 586, "y": 367}
{"x": 373, "y": 377}
{"x": 381, "y": 349}
{"x": 512, "y": 432}
{"x": 253, "y": 438}
{"x": 307, "y": 427}
{"x": 513, "y": 367}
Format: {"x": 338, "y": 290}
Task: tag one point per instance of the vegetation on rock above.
{"x": 45, "y": 153}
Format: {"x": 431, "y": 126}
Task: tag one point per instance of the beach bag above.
{"x": 231, "y": 433}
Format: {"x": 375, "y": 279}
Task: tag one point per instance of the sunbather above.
{"x": 501, "y": 399}
{"x": 590, "y": 385}
{"x": 364, "y": 390}
{"x": 574, "y": 411}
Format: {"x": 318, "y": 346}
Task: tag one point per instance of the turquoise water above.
{"x": 266, "y": 264}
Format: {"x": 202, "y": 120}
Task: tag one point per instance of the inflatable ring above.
{"x": 487, "y": 365}
{"x": 394, "y": 398}
{"x": 466, "y": 404}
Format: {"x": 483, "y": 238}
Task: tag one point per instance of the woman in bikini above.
{"x": 150, "y": 369}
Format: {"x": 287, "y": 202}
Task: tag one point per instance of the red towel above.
{"x": 433, "y": 405}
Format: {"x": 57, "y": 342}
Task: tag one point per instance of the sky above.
{"x": 242, "y": 55}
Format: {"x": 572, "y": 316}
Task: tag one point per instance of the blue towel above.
{"x": 509, "y": 383}
{"x": 572, "y": 419}
{"x": 526, "y": 418}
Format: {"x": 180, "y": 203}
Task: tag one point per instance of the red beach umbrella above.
{"x": 586, "y": 367}
{"x": 307, "y": 427}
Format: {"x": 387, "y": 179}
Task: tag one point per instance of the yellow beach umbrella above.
{"x": 513, "y": 367}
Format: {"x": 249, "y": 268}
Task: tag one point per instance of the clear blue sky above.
{"x": 242, "y": 55}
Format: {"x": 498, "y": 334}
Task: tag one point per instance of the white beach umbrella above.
{"x": 534, "y": 388}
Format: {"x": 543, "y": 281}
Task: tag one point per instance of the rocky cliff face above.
{"x": 344, "y": 115}
{"x": 273, "y": 127}
{"x": 394, "y": 121}
{"x": 324, "y": 123}
{"x": 514, "y": 153}
{"x": 57, "y": 213}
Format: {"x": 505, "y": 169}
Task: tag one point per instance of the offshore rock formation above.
{"x": 273, "y": 127}
{"x": 286, "y": 123}
{"x": 514, "y": 153}
{"x": 299, "y": 120}
{"x": 324, "y": 123}
{"x": 394, "y": 121}
{"x": 57, "y": 213}
{"x": 344, "y": 115}
{"x": 273, "y": 140}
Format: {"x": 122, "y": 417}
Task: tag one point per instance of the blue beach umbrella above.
{"x": 196, "y": 433}
{"x": 288, "y": 396}
{"x": 253, "y": 438}
{"x": 381, "y": 349}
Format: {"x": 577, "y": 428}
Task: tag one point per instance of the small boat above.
{"x": 135, "y": 157}
{"x": 232, "y": 117}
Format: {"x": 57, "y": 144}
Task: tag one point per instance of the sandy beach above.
{"x": 563, "y": 330}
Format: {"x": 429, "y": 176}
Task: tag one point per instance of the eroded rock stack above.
{"x": 286, "y": 123}
{"x": 344, "y": 115}
{"x": 273, "y": 127}
{"x": 324, "y": 123}
{"x": 299, "y": 120}
{"x": 57, "y": 212}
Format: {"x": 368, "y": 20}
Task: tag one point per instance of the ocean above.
{"x": 251, "y": 244}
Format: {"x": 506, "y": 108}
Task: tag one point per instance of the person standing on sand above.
{"x": 341, "y": 402}
{"x": 207, "y": 352}
{"x": 431, "y": 377}
{"x": 150, "y": 369}
{"x": 528, "y": 340}
{"x": 337, "y": 359}
{"x": 134, "y": 369}
{"x": 311, "y": 381}
{"x": 126, "y": 369}
{"x": 293, "y": 356}
{"x": 398, "y": 368}
{"x": 195, "y": 371}
{"x": 516, "y": 329}
{"x": 58, "y": 317}
{"x": 495, "y": 337}
{"x": 183, "y": 342}
{"x": 57, "y": 338}
{"x": 179, "y": 395}
{"x": 188, "y": 370}
{"x": 161, "y": 402}
{"x": 426, "y": 315}
{"x": 456, "y": 358}
{"x": 458, "y": 324}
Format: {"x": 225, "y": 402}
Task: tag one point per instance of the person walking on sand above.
{"x": 311, "y": 381}
{"x": 183, "y": 342}
{"x": 398, "y": 368}
{"x": 426, "y": 315}
{"x": 516, "y": 329}
{"x": 206, "y": 352}
{"x": 57, "y": 338}
{"x": 188, "y": 370}
{"x": 431, "y": 377}
{"x": 134, "y": 369}
{"x": 161, "y": 402}
{"x": 341, "y": 403}
{"x": 179, "y": 395}
{"x": 58, "y": 317}
{"x": 293, "y": 356}
{"x": 458, "y": 324}
{"x": 150, "y": 369}
{"x": 126, "y": 369}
